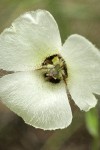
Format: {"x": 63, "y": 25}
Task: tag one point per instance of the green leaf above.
{"x": 92, "y": 122}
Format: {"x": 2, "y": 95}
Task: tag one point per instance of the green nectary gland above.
{"x": 56, "y": 69}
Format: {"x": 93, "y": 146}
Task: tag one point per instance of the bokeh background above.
{"x": 72, "y": 16}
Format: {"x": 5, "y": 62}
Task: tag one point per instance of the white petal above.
{"x": 83, "y": 61}
{"x": 40, "y": 103}
{"x": 81, "y": 94}
{"x": 31, "y": 38}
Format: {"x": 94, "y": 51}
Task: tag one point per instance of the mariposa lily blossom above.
{"x": 47, "y": 73}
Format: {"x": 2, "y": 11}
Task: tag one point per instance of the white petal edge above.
{"x": 41, "y": 104}
{"x": 81, "y": 94}
{"x": 31, "y": 38}
{"x": 83, "y": 61}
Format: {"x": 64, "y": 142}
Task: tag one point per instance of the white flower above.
{"x": 47, "y": 72}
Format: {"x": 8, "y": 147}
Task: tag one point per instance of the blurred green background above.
{"x": 72, "y": 16}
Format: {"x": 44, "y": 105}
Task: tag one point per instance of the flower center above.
{"x": 56, "y": 69}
